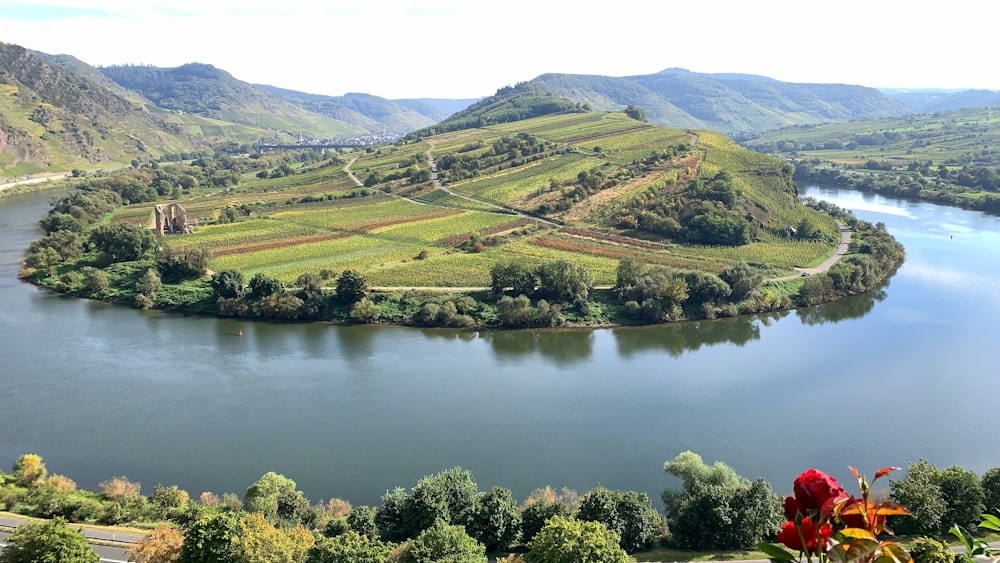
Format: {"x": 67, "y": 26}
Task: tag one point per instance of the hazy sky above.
{"x": 469, "y": 48}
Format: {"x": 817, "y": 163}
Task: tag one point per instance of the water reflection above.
{"x": 849, "y": 308}
{"x": 563, "y": 347}
{"x": 677, "y": 338}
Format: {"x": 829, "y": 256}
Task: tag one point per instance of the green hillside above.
{"x": 54, "y": 119}
{"x": 729, "y": 103}
{"x": 950, "y": 157}
{"x": 365, "y": 111}
{"x": 204, "y": 90}
{"x": 592, "y": 187}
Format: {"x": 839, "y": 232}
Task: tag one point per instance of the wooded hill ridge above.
{"x": 55, "y": 109}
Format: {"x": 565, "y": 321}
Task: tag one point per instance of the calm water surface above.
{"x": 350, "y": 412}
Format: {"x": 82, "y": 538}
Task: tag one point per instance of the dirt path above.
{"x": 500, "y": 208}
{"x": 845, "y": 243}
{"x": 347, "y": 168}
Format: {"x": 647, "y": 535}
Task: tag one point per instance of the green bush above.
{"x": 927, "y": 550}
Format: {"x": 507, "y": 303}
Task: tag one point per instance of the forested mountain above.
{"x": 54, "y": 118}
{"x": 204, "y": 90}
{"x": 369, "y": 112}
{"x": 931, "y": 101}
{"x": 725, "y": 102}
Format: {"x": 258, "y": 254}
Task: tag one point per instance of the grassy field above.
{"x": 948, "y": 138}
{"x": 305, "y": 222}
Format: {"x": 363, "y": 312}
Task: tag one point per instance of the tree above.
{"x": 351, "y": 287}
{"x": 448, "y": 495}
{"x": 169, "y": 498}
{"x": 535, "y": 515}
{"x": 635, "y": 112}
{"x": 262, "y": 285}
{"x": 704, "y": 287}
{"x": 628, "y": 273}
{"x": 96, "y": 281}
{"x": 262, "y": 496}
{"x": 991, "y": 490}
{"x": 149, "y": 284}
{"x": 47, "y": 542}
{"x": 210, "y": 539}
{"x": 29, "y": 469}
{"x": 124, "y": 241}
{"x": 365, "y": 311}
{"x": 565, "y": 540}
{"x": 963, "y": 496}
{"x": 515, "y": 311}
{"x": 444, "y": 543}
{"x": 67, "y": 244}
{"x": 496, "y": 522}
{"x": 718, "y": 509}
{"x": 349, "y": 547}
{"x": 228, "y": 284}
{"x": 362, "y": 520}
{"x": 260, "y": 540}
{"x": 120, "y": 487}
{"x": 390, "y": 517}
{"x": 513, "y": 276}
{"x": 179, "y": 264}
{"x": 920, "y": 493}
{"x": 162, "y": 545}
{"x": 629, "y": 514}
{"x": 742, "y": 278}
{"x": 563, "y": 280}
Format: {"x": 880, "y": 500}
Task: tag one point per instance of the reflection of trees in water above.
{"x": 356, "y": 343}
{"x": 563, "y": 347}
{"x": 853, "y": 307}
{"x": 677, "y": 338}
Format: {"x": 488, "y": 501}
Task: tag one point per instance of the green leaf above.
{"x": 990, "y": 522}
{"x": 776, "y": 552}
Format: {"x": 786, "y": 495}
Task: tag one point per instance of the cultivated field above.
{"x": 406, "y": 230}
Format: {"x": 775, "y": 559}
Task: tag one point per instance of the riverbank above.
{"x": 34, "y": 182}
{"x": 562, "y": 296}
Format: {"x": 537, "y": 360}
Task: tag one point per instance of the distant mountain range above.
{"x": 731, "y": 103}
{"x": 58, "y": 113}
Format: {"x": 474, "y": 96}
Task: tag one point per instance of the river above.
{"x": 350, "y": 412}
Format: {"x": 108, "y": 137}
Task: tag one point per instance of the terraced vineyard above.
{"x": 523, "y": 181}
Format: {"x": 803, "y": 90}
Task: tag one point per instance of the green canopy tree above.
{"x": 124, "y": 241}
{"x": 47, "y": 542}
{"x": 565, "y": 540}
{"x": 444, "y": 543}
{"x": 496, "y": 522}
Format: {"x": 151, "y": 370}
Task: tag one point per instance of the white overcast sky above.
{"x": 469, "y": 48}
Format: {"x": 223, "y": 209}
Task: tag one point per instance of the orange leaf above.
{"x": 891, "y": 509}
{"x": 885, "y": 471}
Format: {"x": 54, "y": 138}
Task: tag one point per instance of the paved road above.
{"x": 109, "y": 554}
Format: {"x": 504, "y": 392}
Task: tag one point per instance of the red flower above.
{"x": 814, "y": 489}
{"x": 791, "y": 508}
{"x": 789, "y": 536}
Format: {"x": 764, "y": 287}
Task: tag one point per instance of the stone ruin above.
{"x": 171, "y": 219}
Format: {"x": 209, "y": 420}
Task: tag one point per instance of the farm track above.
{"x": 506, "y": 210}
